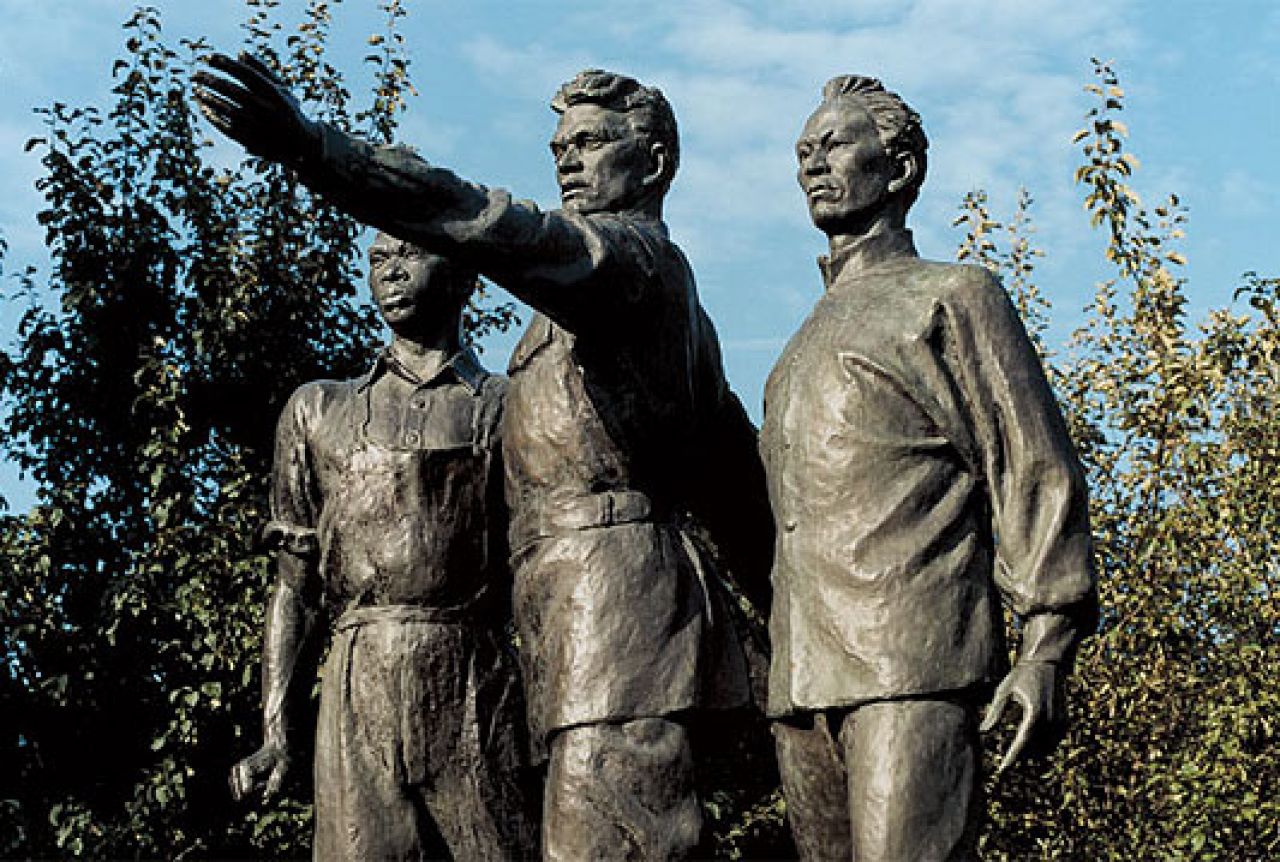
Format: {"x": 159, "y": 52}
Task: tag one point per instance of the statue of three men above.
{"x": 917, "y": 464}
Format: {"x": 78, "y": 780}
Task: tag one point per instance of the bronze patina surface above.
{"x": 921, "y": 474}
{"x": 619, "y": 426}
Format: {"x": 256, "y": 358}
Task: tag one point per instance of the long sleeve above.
{"x": 1036, "y": 486}
{"x": 573, "y": 268}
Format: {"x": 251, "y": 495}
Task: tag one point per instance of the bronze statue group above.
{"x": 912, "y": 475}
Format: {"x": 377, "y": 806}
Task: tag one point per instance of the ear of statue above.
{"x": 905, "y": 170}
{"x": 658, "y": 164}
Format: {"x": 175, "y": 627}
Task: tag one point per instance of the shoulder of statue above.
{"x": 491, "y": 396}
{"x": 962, "y": 284}
{"x": 310, "y": 401}
{"x": 641, "y": 246}
{"x": 636, "y": 228}
{"x": 972, "y": 277}
{"x": 493, "y": 393}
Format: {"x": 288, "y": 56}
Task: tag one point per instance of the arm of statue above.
{"x": 288, "y": 655}
{"x": 1039, "y": 504}
{"x": 1035, "y": 684}
{"x": 289, "y": 624}
{"x": 562, "y": 264}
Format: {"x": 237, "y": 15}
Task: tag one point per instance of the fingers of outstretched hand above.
{"x": 248, "y": 72}
{"x": 218, "y": 111}
{"x": 244, "y": 73}
{"x": 229, "y": 90}
{"x": 260, "y": 76}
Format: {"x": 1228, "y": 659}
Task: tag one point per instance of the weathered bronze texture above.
{"x": 388, "y": 514}
{"x": 618, "y": 426}
{"x": 920, "y": 472}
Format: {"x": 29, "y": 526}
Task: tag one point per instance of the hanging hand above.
{"x": 265, "y": 770}
{"x": 1033, "y": 685}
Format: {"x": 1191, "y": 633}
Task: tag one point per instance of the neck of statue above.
{"x": 426, "y": 353}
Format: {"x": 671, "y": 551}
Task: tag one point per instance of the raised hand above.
{"x": 248, "y": 103}
{"x": 265, "y": 770}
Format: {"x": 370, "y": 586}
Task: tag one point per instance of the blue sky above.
{"x": 998, "y": 82}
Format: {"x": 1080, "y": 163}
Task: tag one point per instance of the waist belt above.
{"x": 368, "y": 615}
{"x": 558, "y": 517}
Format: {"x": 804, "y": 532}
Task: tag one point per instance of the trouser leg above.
{"x": 622, "y": 790}
{"x": 417, "y": 755}
{"x": 914, "y": 790}
{"x": 813, "y": 782}
{"x": 476, "y": 793}
{"x": 461, "y": 719}
{"x": 362, "y": 811}
{"x": 480, "y": 813}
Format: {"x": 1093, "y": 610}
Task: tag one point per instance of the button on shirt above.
{"x": 397, "y": 479}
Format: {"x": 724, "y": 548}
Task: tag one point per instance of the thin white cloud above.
{"x": 998, "y": 83}
{"x": 1244, "y": 195}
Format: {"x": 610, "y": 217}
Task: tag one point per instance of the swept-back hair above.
{"x": 649, "y": 110}
{"x": 898, "y": 124}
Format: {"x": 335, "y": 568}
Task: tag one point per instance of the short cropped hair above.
{"x": 649, "y": 110}
{"x": 898, "y": 124}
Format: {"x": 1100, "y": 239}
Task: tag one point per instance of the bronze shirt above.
{"x": 619, "y": 419}
{"x": 920, "y": 471}
{"x": 396, "y": 485}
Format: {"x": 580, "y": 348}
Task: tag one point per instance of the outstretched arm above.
{"x": 562, "y": 264}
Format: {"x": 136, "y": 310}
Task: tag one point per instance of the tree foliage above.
{"x": 185, "y": 302}
{"x": 1172, "y": 750}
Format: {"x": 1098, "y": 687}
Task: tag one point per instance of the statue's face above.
{"x": 602, "y": 165}
{"x": 408, "y": 283}
{"x": 844, "y": 169}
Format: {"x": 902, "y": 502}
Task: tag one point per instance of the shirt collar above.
{"x": 464, "y": 366}
{"x": 867, "y": 253}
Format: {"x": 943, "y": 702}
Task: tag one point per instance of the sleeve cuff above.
{"x": 1050, "y": 638}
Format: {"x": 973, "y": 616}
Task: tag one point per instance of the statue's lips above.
{"x": 822, "y": 193}
{"x": 395, "y": 302}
